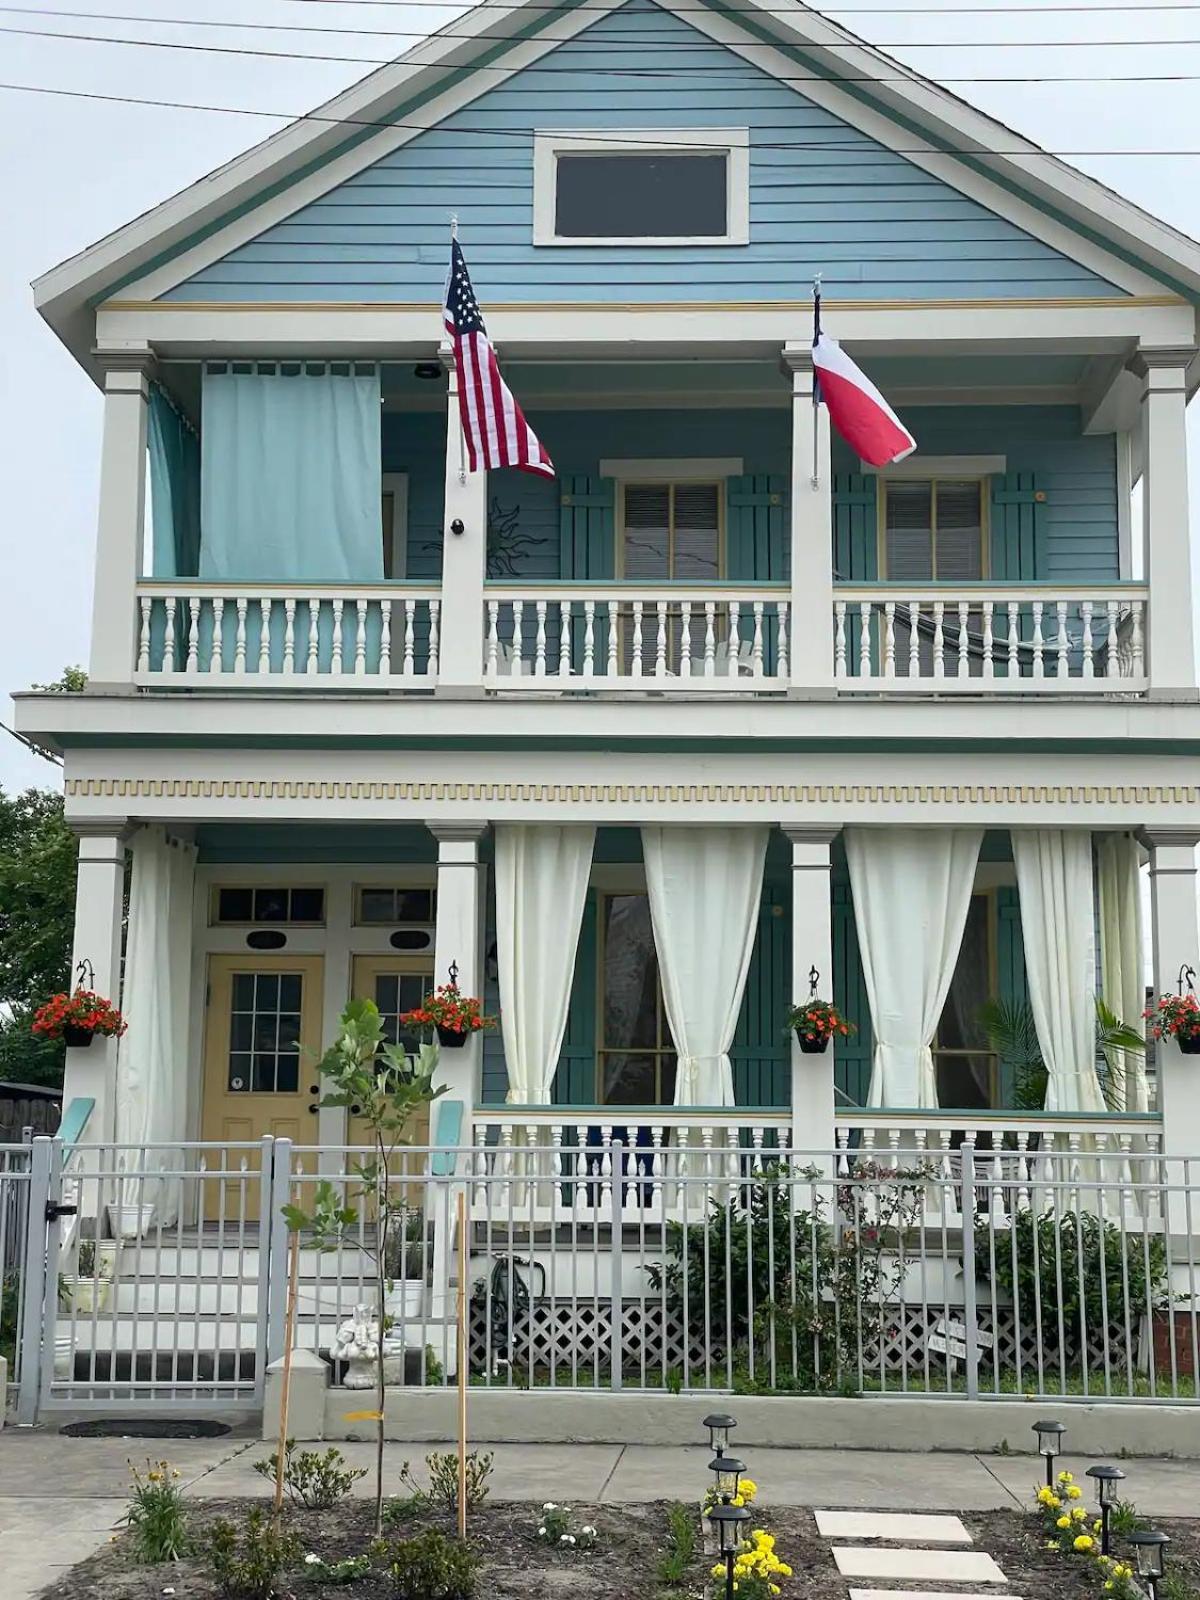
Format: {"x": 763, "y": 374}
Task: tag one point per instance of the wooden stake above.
{"x": 461, "y": 1332}
{"x": 285, "y": 1392}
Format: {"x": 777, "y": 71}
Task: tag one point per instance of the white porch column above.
{"x": 1176, "y": 943}
{"x": 1171, "y": 635}
{"x": 810, "y": 633}
{"x": 458, "y": 940}
{"x": 99, "y": 914}
{"x": 812, "y": 946}
{"x": 464, "y": 559}
{"x": 121, "y": 521}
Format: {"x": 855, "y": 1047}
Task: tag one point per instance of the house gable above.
{"x": 824, "y": 197}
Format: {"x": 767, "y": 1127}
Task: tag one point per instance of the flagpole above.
{"x": 462, "y": 440}
{"x": 816, "y": 388}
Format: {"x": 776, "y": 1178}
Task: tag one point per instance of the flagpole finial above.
{"x": 453, "y": 226}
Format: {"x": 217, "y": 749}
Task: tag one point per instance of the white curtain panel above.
{"x": 912, "y": 891}
{"x": 705, "y": 888}
{"x": 152, "y": 1059}
{"x": 542, "y": 876}
{"x": 1122, "y": 962}
{"x": 1054, "y": 881}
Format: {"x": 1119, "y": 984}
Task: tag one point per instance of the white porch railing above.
{"x": 620, "y": 635}
{"x": 1003, "y": 638}
{"x": 307, "y": 635}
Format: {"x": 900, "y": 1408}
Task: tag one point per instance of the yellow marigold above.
{"x": 1079, "y": 1514}
{"x": 1066, "y": 1477}
{"x": 1063, "y": 1522}
{"x": 1097, "y": 1526}
{"x": 1045, "y": 1494}
{"x": 1109, "y": 1584}
{"x": 1074, "y": 1492}
{"x": 719, "y": 1570}
{"x": 1084, "y": 1541}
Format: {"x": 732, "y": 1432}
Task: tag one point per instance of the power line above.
{"x": 831, "y": 147}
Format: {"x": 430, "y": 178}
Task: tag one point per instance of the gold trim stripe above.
{"x": 652, "y": 793}
{"x": 623, "y": 307}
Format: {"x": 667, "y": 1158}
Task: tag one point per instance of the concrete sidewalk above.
{"x": 60, "y": 1498}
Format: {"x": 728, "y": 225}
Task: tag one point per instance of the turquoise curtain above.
{"x": 290, "y": 474}
{"x": 174, "y": 489}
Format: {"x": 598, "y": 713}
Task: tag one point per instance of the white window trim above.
{"x": 678, "y": 469}
{"x": 919, "y": 466}
{"x": 395, "y": 538}
{"x": 549, "y": 144}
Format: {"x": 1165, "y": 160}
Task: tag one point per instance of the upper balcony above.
{"x": 703, "y": 537}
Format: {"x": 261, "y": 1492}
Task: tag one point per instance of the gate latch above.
{"x": 54, "y": 1210}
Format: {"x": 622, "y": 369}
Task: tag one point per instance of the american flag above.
{"x": 493, "y": 424}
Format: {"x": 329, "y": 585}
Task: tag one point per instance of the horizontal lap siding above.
{"x": 830, "y": 200}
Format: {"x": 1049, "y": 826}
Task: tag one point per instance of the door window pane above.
{"x": 264, "y": 1032}
{"x": 396, "y": 993}
{"x": 966, "y": 1069}
{"x": 637, "y": 1056}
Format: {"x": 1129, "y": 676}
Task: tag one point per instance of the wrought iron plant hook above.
{"x": 85, "y": 975}
{"x": 1187, "y": 974}
{"x": 814, "y": 977}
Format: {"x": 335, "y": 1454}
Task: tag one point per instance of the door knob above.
{"x": 314, "y": 1088}
{"x": 355, "y": 1110}
{"x": 312, "y": 1110}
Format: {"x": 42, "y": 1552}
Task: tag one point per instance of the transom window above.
{"x": 672, "y": 531}
{"x": 278, "y": 903}
{"x": 636, "y": 1064}
{"x": 385, "y": 905}
{"x": 264, "y": 1032}
{"x": 933, "y": 530}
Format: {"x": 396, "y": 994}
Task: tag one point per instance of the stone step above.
{"x": 936, "y": 1566}
{"x": 901, "y": 1525}
{"x": 923, "y": 1594}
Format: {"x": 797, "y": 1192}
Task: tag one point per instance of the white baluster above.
{"x": 193, "y": 635}
{"x": 889, "y": 638}
{"x": 988, "y": 641}
{"x": 335, "y": 664}
{"x": 939, "y": 639}
{"x": 589, "y": 638}
{"x": 493, "y": 638}
{"x": 1112, "y": 663}
{"x": 385, "y": 638}
{"x": 1137, "y": 646}
{"x": 435, "y": 617}
{"x": 239, "y": 640}
{"x": 614, "y": 638}
{"x": 564, "y": 638}
{"x": 264, "y": 634}
{"x": 169, "y": 634}
{"x": 660, "y": 642}
{"x": 781, "y": 649}
{"x": 756, "y": 646}
{"x": 685, "y": 639}
{"x": 215, "y": 662}
{"x": 964, "y": 639}
{"x": 539, "y": 640}
{"x": 710, "y": 638}
{"x": 360, "y": 639}
{"x": 410, "y": 638}
{"x": 1039, "y": 644}
{"x": 1014, "y": 639}
{"x": 1085, "y": 614}
{"x": 143, "y": 655}
{"x": 518, "y": 635}
{"x": 636, "y": 667}
{"x": 914, "y": 638}
{"x": 839, "y": 639}
{"x": 864, "y": 639}
{"x": 289, "y": 636}
{"x": 734, "y": 642}
{"x": 1062, "y": 643}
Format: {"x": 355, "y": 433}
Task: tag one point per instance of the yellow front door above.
{"x": 261, "y": 1045}
{"x": 396, "y": 984}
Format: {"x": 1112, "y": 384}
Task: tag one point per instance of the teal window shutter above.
{"x": 852, "y": 1070}
{"x": 1010, "y": 963}
{"x": 575, "y": 1080}
{"x": 855, "y": 528}
{"x": 757, "y": 543}
{"x": 586, "y": 527}
{"x": 761, "y": 1053}
{"x": 1017, "y": 518}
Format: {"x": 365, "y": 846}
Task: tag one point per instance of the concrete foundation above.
{"x": 634, "y": 1418}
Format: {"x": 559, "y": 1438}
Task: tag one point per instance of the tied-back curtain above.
{"x": 705, "y": 889}
{"x": 1054, "y": 881}
{"x": 912, "y": 891}
{"x": 1122, "y": 971}
{"x": 542, "y": 876}
{"x": 174, "y": 489}
{"x": 152, "y": 1059}
{"x": 290, "y": 475}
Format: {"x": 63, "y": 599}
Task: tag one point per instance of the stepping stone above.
{"x": 913, "y": 1594}
{"x": 936, "y": 1566}
{"x": 903, "y": 1525}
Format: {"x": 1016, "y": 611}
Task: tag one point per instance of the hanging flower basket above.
{"x": 77, "y": 1018}
{"x": 815, "y": 1023}
{"x": 1177, "y": 1016}
{"x": 452, "y": 1015}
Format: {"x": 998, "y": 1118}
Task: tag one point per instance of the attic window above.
{"x": 663, "y": 186}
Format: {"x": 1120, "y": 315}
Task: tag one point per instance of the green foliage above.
{"x": 679, "y": 1547}
{"x": 1011, "y": 1031}
{"x": 1178, "y": 1583}
{"x": 442, "y": 1466}
{"x": 73, "y": 681}
{"x": 37, "y": 914}
{"x": 430, "y": 1566}
{"x": 327, "y": 1220}
{"x": 1124, "y": 1518}
{"x": 336, "y": 1574}
{"x": 247, "y": 1563}
{"x": 673, "y": 1382}
{"x": 156, "y": 1519}
{"x": 1075, "y": 1266}
{"x": 313, "y": 1480}
{"x": 10, "y": 1299}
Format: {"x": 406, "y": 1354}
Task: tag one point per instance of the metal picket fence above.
{"x": 156, "y": 1277}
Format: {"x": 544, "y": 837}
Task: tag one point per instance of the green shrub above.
{"x": 247, "y": 1564}
{"x": 443, "y": 1480}
{"x": 156, "y": 1519}
{"x": 336, "y": 1574}
{"x": 680, "y": 1545}
{"x": 430, "y": 1566}
{"x": 313, "y": 1480}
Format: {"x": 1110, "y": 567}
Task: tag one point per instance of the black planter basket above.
{"x": 452, "y": 1038}
{"x": 812, "y": 1045}
{"x": 77, "y": 1038}
{"x": 1189, "y": 1044}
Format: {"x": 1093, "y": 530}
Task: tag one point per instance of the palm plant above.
{"x": 1011, "y": 1031}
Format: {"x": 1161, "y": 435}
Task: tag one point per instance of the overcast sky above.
{"x": 72, "y": 170}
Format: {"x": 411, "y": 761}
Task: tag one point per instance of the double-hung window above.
{"x": 933, "y": 530}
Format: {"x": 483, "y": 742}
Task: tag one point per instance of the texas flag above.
{"x": 856, "y": 408}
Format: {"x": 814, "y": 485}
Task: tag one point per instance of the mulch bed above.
{"x": 517, "y": 1566}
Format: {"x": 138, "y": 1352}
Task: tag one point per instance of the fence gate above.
{"x": 147, "y": 1278}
